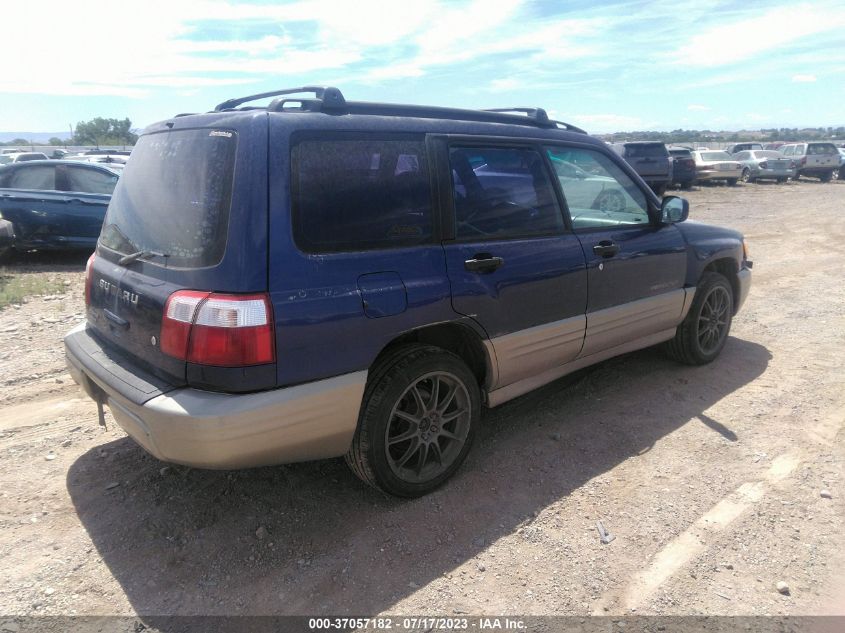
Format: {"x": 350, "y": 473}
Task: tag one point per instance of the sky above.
{"x": 603, "y": 66}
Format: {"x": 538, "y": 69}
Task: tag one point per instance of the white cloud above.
{"x": 505, "y": 84}
{"x": 697, "y": 107}
{"x": 803, "y": 78}
{"x": 600, "y": 123}
{"x": 729, "y": 43}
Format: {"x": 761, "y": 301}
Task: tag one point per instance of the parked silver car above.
{"x": 716, "y": 165}
{"x": 764, "y": 164}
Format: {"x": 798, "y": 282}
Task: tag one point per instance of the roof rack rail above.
{"x": 328, "y": 97}
{"x": 330, "y": 100}
{"x": 539, "y": 115}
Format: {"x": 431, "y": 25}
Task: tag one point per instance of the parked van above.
{"x": 819, "y": 160}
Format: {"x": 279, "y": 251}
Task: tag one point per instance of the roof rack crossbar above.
{"x": 332, "y": 98}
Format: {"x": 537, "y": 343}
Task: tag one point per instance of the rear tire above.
{"x": 782, "y": 180}
{"x": 417, "y": 421}
{"x": 826, "y": 177}
{"x": 732, "y": 182}
{"x": 703, "y": 332}
{"x": 746, "y": 176}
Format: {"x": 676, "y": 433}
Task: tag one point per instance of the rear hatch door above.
{"x": 648, "y": 159}
{"x": 178, "y": 219}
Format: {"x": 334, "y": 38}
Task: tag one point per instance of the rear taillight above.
{"x": 88, "y": 275}
{"x": 764, "y": 164}
{"x": 218, "y": 329}
{"x": 803, "y": 161}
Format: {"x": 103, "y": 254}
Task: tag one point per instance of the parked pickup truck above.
{"x": 53, "y": 204}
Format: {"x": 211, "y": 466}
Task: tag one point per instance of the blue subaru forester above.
{"x": 322, "y": 277}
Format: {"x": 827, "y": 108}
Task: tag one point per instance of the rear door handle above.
{"x": 483, "y": 263}
{"x": 606, "y": 248}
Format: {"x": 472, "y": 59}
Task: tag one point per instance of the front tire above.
{"x": 703, "y": 332}
{"x": 746, "y": 176}
{"x": 417, "y": 421}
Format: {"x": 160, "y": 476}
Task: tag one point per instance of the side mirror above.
{"x": 674, "y": 209}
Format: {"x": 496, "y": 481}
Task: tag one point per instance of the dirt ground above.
{"x": 710, "y": 479}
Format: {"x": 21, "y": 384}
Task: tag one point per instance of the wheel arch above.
{"x": 460, "y": 339}
{"x": 729, "y": 269}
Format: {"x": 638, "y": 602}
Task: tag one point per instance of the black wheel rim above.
{"x": 428, "y": 427}
{"x": 713, "y": 320}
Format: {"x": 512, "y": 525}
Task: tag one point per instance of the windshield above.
{"x": 174, "y": 198}
{"x": 715, "y": 156}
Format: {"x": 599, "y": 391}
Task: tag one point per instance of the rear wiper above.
{"x": 128, "y": 259}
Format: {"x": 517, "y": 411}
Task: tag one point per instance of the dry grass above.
{"x": 15, "y": 287}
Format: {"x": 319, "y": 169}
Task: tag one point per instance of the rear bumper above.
{"x": 744, "y": 278}
{"x": 719, "y": 174}
{"x": 763, "y": 174}
{"x": 218, "y": 430}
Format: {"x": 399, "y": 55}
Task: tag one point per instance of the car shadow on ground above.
{"x": 311, "y": 539}
{"x": 45, "y": 261}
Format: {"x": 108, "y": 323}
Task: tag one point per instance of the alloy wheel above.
{"x": 428, "y": 427}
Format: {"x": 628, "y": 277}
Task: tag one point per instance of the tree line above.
{"x": 763, "y": 135}
{"x": 97, "y": 131}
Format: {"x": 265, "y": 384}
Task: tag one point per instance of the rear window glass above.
{"x": 356, "y": 194}
{"x": 645, "y": 150}
{"x": 763, "y": 153}
{"x": 715, "y": 156}
{"x": 821, "y": 149}
{"x": 681, "y": 153}
{"x": 174, "y": 198}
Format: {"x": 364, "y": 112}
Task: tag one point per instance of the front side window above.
{"x": 598, "y": 193}
{"x": 502, "y": 193}
{"x": 356, "y": 194}
{"x": 89, "y": 180}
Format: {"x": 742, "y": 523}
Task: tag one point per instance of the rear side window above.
{"x": 38, "y": 177}
{"x": 645, "y": 150}
{"x": 174, "y": 198}
{"x": 502, "y": 193}
{"x": 353, "y": 194}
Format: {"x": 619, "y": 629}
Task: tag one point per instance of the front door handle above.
{"x": 605, "y": 249}
{"x": 483, "y": 263}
